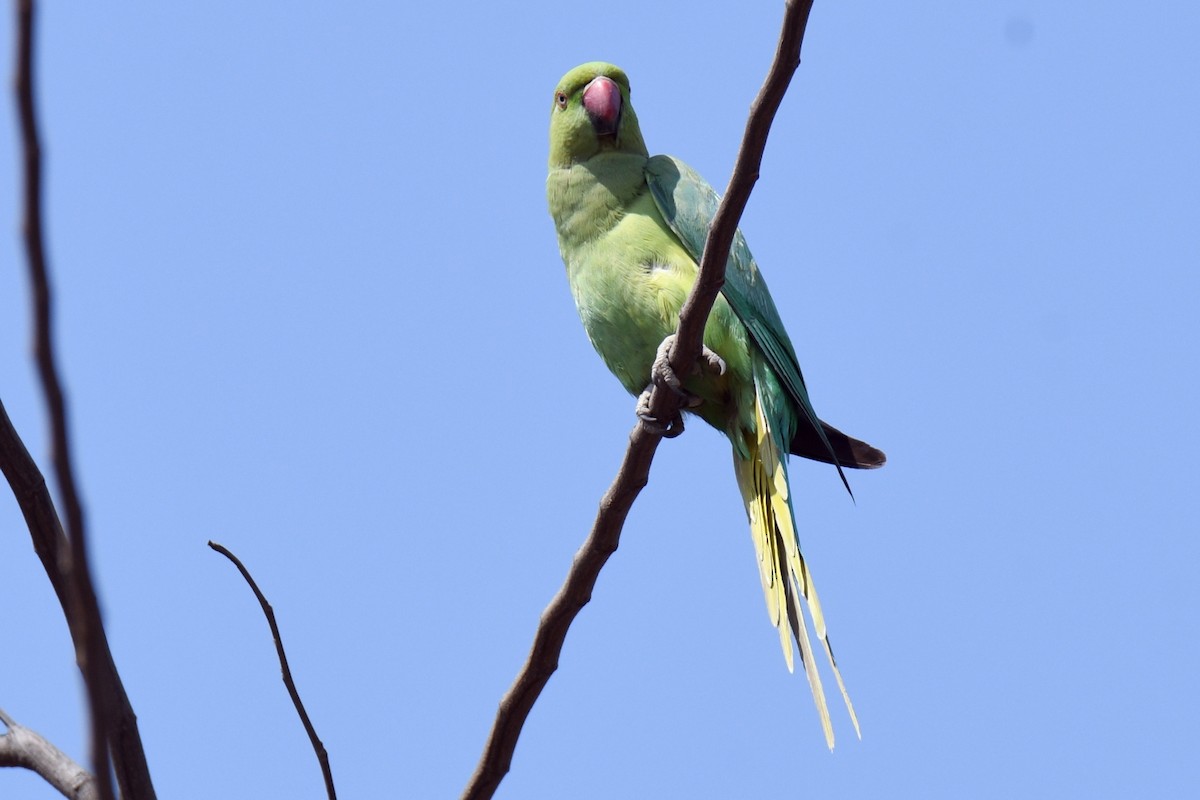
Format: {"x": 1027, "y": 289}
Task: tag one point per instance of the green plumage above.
{"x": 631, "y": 230}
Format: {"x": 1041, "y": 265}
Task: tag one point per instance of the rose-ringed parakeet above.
{"x": 631, "y": 229}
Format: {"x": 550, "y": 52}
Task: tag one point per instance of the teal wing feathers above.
{"x": 688, "y": 205}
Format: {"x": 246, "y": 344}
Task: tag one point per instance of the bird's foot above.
{"x": 709, "y": 361}
{"x": 661, "y": 374}
{"x": 668, "y": 429}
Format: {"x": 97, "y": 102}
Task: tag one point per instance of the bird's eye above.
{"x": 561, "y": 99}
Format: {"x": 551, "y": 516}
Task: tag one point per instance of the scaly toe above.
{"x": 711, "y": 361}
{"x": 660, "y": 370}
{"x": 669, "y": 429}
{"x": 643, "y": 405}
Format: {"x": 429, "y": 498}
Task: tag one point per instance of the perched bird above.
{"x": 631, "y": 229}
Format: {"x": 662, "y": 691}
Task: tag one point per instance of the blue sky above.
{"x": 311, "y": 306}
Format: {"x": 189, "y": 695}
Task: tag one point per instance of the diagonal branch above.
{"x": 694, "y": 314}
{"x": 21, "y": 747}
{"x": 112, "y": 722}
{"x": 635, "y": 469}
{"x": 269, "y": 613}
{"x": 29, "y": 488}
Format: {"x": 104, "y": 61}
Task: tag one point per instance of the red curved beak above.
{"x": 602, "y": 101}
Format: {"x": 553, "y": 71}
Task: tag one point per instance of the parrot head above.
{"x": 591, "y": 114}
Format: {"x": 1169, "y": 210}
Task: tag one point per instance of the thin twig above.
{"x": 22, "y": 747}
{"x": 635, "y": 469}
{"x": 84, "y": 610}
{"x": 318, "y": 747}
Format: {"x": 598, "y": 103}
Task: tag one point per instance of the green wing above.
{"x": 688, "y": 204}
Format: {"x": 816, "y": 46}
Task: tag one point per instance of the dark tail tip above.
{"x": 850, "y": 452}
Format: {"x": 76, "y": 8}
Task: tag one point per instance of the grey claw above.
{"x": 661, "y": 374}
{"x": 712, "y": 361}
{"x": 674, "y": 427}
{"x": 660, "y": 370}
{"x": 669, "y": 429}
{"x": 643, "y": 405}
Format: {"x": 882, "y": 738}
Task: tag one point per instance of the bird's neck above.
{"x": 587, "y": 200}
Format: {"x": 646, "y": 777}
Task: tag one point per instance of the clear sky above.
{"x": 311, "y": 306}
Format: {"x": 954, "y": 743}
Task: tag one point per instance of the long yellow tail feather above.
{"x": 763, "y": 481}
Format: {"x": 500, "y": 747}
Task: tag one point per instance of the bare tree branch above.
{"x": 21, "y": 747}
{"x": 635, "y": 469}
{"x": 318, "y": 747}
{"x": 50, "y": 544}
{"x": 84, "y": 612}
{"x": 65, "y": 559}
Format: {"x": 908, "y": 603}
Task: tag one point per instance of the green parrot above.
{"x": 631, "y": 229}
